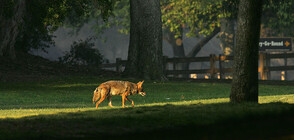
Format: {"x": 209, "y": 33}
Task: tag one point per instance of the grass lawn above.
{"x": 171, "y": 110}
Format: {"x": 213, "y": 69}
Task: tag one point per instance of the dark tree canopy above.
{"x": 32, "y": 22}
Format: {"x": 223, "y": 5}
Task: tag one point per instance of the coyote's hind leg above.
{"x": 101, "y": 100}
{"x": 130, "y": 100}
{"x": 109, "y": 99}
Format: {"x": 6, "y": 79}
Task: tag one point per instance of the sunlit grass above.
{"x": 63, "y": 108}
{"x": 71, "y": 94}
{"x": 277, "y": 98}
{"x": 18, "y": 113}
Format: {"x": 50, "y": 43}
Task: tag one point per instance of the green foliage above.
{"x": 39, "y": 22}
{"x": 45, "y": 17}
{"x": 82, "y": 53}
{"x": 81, "y": 12}
{"x": 278, "y": 17}
{"x": 119, "y": 18}
{"x": 200, "y": 17}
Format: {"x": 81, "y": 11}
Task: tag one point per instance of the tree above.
{"x": 11, "y": 24}
{"x": 145, "y": 47}
{"x": 199, "y": 17}
{"x": 26, "y": 24}
{"x": 277, "y": 19}
{"x": 245, "y": 69}
{"x": 177, "y": 16}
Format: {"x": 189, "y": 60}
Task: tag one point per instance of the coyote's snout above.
{"x": 122, "y": 88}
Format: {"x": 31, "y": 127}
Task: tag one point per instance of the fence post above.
{"x": 165, "y": 64}
{"x": 220, "y": 67}
{"x": 174, "y": 67}
{"x": 118, "y": 65}
{"x": 261, "y": 66}
{"x": 268, "y": 64}
{"x": 212, "y": 67}
{"x": 285, "y": 64}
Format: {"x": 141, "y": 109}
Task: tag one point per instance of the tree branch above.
{"x": 200, "y": 44}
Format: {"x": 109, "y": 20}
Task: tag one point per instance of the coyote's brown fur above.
{"x": 122, "y": 88}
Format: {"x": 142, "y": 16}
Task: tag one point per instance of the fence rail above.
{"x": 264, "y": 68}
{"x": 212, "y": 59}
{"x": 117, "y": 65}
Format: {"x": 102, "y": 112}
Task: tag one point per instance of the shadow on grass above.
{"x": 196, "y": 121}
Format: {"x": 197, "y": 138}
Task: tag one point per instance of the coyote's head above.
{"x": 95, "y": 95}
{"x": 140, "y": 88}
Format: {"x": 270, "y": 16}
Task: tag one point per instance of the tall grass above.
{"x": 71, "y": 93}
{"x": 63, "y": 108}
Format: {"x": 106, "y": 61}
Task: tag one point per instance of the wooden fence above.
{"x": 264, "y": 65}
{"x": 212, "y": 59}
{"x": 118, "y": 65}
{"x": 266, "y": 68}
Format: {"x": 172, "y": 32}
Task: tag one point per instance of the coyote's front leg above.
{"x": 124, "y": 97}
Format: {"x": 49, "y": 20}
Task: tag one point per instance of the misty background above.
{"x": 113, "y": 44}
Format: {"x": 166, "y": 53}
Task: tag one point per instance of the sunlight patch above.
{"x": 20, "y": 113}
{"x": 277, "y": 98}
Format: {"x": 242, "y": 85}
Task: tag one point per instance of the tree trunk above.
{"x": 178, "y": 50}
{"x": 145, "y": 48}
{"x": 11, "y": 28}
{"x": 245, "y": 73}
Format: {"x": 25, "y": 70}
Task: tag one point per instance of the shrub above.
{"x": 82, "y": 53}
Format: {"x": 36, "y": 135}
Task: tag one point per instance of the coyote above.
{"x": 122, "y": 88}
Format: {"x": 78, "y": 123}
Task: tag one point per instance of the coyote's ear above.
{"x": 140, "y": 83}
